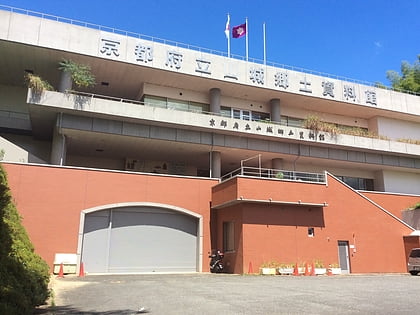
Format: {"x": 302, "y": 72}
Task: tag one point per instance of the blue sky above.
{"x": 358, "y": 39}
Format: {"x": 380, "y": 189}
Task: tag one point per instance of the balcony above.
{"x": 129, "y": 110}
{"x": 270, "y": 187}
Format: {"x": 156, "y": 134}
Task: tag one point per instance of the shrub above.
{"x": 37, "y": 84}
{"x": 80, "y": 74}
{"x": 24, "y": 276}
{"x": 315, "y": 124}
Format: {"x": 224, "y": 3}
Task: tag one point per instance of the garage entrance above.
{"x": 140, "y": 238}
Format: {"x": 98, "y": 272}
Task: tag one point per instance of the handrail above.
{"x": 276, "y": 174}
{"x": 126, "y": 100}
{"x": 192, "y": 47}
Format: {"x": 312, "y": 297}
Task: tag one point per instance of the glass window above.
{"x": 236, "y": 113}
{"x": 155, "y": 101}
{"x": 228, "y": 236}
{"x": 225, "y": 111}
{"x": 199, "y": 107}
{"x": 246, "y": 115}
{"x": 295, "y": 122}
{"x": 358, "y": 183}
{"x": 259, "y": 116}
{"x": 177, "y": 104}
{"x": 311, "y": 232}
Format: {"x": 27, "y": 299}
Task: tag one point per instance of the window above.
{"x": 228, "y": 236}
{"x": 311, "y": 232}
{"x": 358, "y": 183}
{"x": 170, "y": 103}
{"x": 225, "y": 111}
{"x": 155, "y": 101}
{"x": 243, "y": 114}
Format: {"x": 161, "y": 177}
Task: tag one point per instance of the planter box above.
{"x": 286, "y": 271}
{"x": 268, "y": 271}
{"x": 336, "y": 271}
{"x": 320, "y": 271}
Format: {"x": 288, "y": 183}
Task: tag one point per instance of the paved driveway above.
{"x": 235, "y": 294}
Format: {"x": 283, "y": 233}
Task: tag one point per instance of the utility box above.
{"x": 69, "y": 262}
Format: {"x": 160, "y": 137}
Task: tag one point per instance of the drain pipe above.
{"x": 295, "y": 160}
{"x": 63, "y": 139}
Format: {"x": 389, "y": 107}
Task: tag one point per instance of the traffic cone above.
{"x": 82, "y": 270}
{"x": 307, "y": 273}
{"x": 61, "y": 271}
{"x": 329, "y": 271}
{"x": 296, "y": 270}
{"x": 250, "y": 268}
{"x": 313, "y": 269}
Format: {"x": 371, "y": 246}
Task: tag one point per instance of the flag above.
{"x": 227, "y": 29}
{"x": 239, "y": 31}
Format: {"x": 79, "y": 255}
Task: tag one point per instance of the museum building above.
{"x": 178, "y": 150}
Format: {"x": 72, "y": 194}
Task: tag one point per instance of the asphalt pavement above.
{"x": 236, "y": 294}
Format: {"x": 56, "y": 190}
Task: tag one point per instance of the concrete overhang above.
{"x": 298, "y": 203}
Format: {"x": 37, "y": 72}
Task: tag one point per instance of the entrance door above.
{"x": 343, "y": 256}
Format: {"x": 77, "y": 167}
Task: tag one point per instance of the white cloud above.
{"x": 378, "y": 44}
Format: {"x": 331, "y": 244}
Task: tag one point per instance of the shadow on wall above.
{"x": 412, "y": 218}
{"x": 284, "y": 215}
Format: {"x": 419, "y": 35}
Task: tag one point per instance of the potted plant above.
{"x": 279, "y": 175}
{"x": 286, "y": 269}
{"x": 37, "y": 85}
{"x": 76, "y": 73}
{"x": 320, "y": 268}
{"x": 335, "y": 269}
{"x": 269, "y": 268}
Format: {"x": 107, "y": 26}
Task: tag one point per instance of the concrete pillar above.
{"x": 277, "y": 164}
{"x": 275, "y": 109}
{"x": 215, "y": 164}
{"x": 58, "y": 146}
{"x": 66, "y": 82}
{"x": 215, "y": 100}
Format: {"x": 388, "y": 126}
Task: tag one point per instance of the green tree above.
{"x": 409, "y": 80}
{"x": 24, "y": 276}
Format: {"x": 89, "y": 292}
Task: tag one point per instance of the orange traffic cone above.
{"x": 82, "y": 270}
{"x": 250, "y": 268}
{"x": 296, "y": 270}
{"x": 313, "y": 269}
{"x": 307, "y": 273}
{"x": 329, "y": 271}
{"x": 61, "y": 271}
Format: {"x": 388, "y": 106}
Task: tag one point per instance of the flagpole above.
{"x": 227, "y": 32}
{"x": 246, "y": 38}
{"x": 265, "y": 50}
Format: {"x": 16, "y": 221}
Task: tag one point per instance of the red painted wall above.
{"x": 252, "y": 188}
{"x": 50, "y": 200}
{"x": 394, "y": 203}
{"x": 280, "y": 233}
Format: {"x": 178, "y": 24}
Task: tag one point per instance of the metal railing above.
{"x": 150, "y": 104}
{"x": 276, "y": 174}
{"x": 188, "y": 46}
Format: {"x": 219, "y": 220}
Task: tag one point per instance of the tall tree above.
{"x": 409, "y": 80}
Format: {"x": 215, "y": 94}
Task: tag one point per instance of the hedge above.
{"x": 24, "y": 275}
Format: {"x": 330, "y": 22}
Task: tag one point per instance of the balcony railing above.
{"x": 259, "y": 172}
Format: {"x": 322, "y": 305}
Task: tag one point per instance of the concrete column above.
{"x": 275, "y": 109}
{"x": 277, "y": 164}
{"x": 215, "y": 164}
{"x": 58, "y": 146}
{"x": 215, "y": 100}
{"x": 66, "y": 82}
